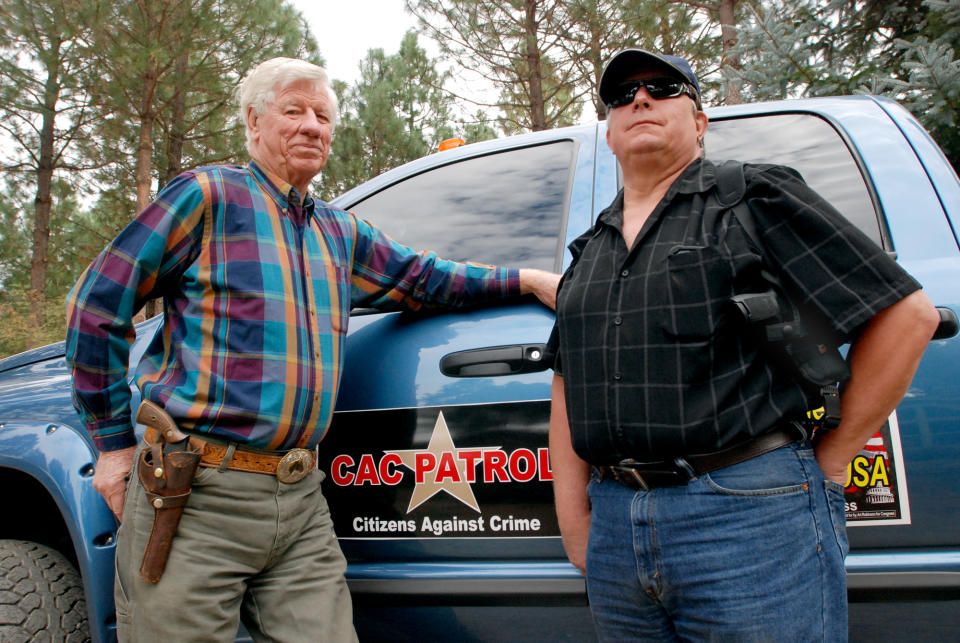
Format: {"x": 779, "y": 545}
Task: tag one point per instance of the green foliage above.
{"x": 198, "y": 125}
{"x": 790, "y": 49}
{"x": 170, "y": 70}
{"x": 545, "y": 57}
{"x": 930, "y": 83}
{"x": 18, "y": 332}
{"x": 14, "y": 232}
{"x": 591, "y": 32}
{"x": 72, "y": 241}
{"x": 515, "y": 45}
{"x": 43, "y": 112}
{"x": 478, "y": 129}
{"x": 680, "y": 29}
{"x": 73, "y": 238}
{"x": 516, "y": 100}
{"x": 395, "y": 113}
{"x": 134, "y": 92}
{"x": 42, "y": 73}
{"x": 905, "y": 49}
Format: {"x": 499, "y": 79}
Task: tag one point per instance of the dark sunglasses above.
{"x": 658, "y": 88}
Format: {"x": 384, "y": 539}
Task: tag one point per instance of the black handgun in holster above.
{"x": 816, "y": 362}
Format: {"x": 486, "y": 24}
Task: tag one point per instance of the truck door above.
{"x": 438, "y": 475}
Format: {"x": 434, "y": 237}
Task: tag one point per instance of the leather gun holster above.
{"x": 166, "y": 479}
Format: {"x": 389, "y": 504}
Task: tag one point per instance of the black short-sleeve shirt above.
{"x": 655, "y": 360}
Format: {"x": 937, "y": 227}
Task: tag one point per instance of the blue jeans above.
{"x": 752, "y": 552}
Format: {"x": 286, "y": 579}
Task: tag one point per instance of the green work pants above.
{"x": 248, "y": 547}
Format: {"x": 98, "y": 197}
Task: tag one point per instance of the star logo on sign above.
{"x": 442, "y": 468}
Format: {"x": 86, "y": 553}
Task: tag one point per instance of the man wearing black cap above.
{"x": 686, "y": 487}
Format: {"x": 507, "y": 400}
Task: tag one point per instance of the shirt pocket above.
{"x": 340, "y": 295}
{"x": 697, "y": 283}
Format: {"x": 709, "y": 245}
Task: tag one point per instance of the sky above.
{"x": 346, "y": 30}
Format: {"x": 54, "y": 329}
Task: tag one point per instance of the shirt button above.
{"x": 617, "y": 320}
{"x": 617, "y": 376}
{"x": 624, "y": 272}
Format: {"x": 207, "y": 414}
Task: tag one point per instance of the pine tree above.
{"x": 514, "y": 45}
{"x": 398, "y": 111}
{"x": 930, "y": 84}
{"x": 44, "y": 111}
{"x": 592, "y": 32}
{"x": 28, "y": 321}
{"x": 724, "y": 13}
{"x": 169, "y": 71}
{"x": 904, "y": 49}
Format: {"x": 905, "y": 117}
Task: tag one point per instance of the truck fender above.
{"x": 59, "y": 458}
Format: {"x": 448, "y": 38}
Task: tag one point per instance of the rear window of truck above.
{"x": 811, "y": 146}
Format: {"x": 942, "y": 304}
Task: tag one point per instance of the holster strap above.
{"x": 160, "y": 502}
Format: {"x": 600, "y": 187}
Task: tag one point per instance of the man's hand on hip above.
{"x": 110, "y": 478}
{"x": 883, "y": 359}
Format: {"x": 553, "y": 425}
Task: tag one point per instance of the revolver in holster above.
{"x": 166, "y": 476}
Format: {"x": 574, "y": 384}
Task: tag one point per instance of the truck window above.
{"x": 505, "y": 209}
{"x": 808, "y": 144}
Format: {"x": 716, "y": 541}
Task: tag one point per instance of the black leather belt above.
{"x": 680, "y": 471}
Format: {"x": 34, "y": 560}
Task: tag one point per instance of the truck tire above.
{"x": 41, "y": 595}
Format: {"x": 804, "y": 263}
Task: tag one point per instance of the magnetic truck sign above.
{"x": 467, "y": 488}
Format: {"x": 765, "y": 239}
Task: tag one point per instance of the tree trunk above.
{"x": 178, "y": 110}
{"x": 596, "y": 61}
{"x": 145, "y": 147}
{"x": 538, "y": 115}
{"x": 728, "y": 35}
{"x": 43, "y": 200}
{"x": 41, "y": 239}
{"x": 144, "y": 163}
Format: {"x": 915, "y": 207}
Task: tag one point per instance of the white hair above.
{"x": 259, "y": 88}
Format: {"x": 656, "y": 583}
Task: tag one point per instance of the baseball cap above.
{"x": 630, "y": 61}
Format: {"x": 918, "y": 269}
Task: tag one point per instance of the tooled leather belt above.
{"x": 289, "y": 466}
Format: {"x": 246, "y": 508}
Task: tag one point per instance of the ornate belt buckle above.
{"x": 295, "y": 465}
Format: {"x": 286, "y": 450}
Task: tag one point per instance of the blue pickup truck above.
{"x": 437, "y": 467}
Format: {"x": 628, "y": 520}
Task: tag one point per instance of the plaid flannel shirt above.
{"x": 257, "y": 292}
{"x": 655, "y": 360}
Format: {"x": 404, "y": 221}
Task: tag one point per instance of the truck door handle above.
{"x": 948, "y": 326}
{"x": 496, "y": 360}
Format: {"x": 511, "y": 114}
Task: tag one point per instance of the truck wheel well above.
{"x": 30, "y": 513}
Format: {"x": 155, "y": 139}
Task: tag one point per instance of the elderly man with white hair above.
{"x": 257, "y": 280}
